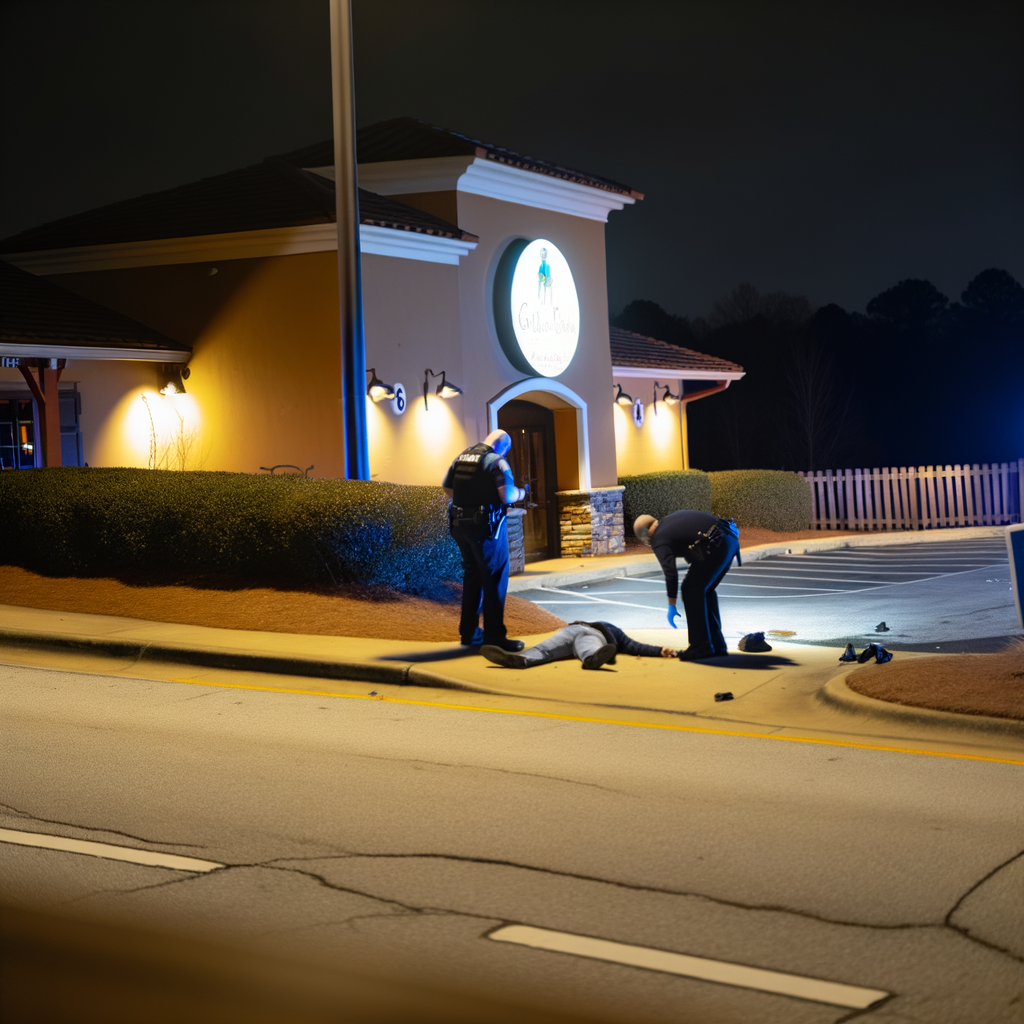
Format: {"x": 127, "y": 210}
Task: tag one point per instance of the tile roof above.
{"x": 271, "y": 194}
{"x": 35, "y": 311}
{"x": 629, "y": 349}
{"x": 405, "y": 138}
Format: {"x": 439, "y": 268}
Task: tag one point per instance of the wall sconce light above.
{"x": 621, "y": 397}
{"x": 668, "y": 398}
{"x": 377, "y": 389}
{"x": 443, "y": 390}
{"x": 171, "y": 378}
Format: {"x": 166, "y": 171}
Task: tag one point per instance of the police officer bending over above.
{"x": 480, "y": 484}
{"x": 709, "y": 544}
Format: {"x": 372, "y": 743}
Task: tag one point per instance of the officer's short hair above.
{"x": 642, "y": 529}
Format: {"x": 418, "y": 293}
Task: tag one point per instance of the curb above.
{"x": 646, "y": 563}
{"x": 837, "y": 694}
{"x": 355, "y": 671}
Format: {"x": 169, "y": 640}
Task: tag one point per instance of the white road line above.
{"x": 90, "y": 849}
{"x": 832, "y": 579}
{"x": 760, "y": 567}
{"x": 599, "y": 600}
{"x": 720, "y": 971}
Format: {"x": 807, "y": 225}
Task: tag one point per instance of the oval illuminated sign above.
{"x": 536, "y": 309}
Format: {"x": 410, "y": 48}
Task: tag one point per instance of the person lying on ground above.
{"x": 594, "y": 643}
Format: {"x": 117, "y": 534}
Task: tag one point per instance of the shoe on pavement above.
{"x": 505, "y": 644}
{"x": 475, "y": 640}
{"x": 601, "y": 656}
{"x": 696, "y": 654}
{"x": 754, "y": 643}
{"x": 506, "y": 659}
{"x": 868, "y": 653}
{"x": 849, "y": 654}
{"x": 882, "y": 655}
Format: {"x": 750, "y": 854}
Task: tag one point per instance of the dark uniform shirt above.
{"x": 673, "y": 537}
{"x": 489, "y": 472}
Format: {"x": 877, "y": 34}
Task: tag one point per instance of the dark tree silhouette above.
{"x": 994, "y": 300}
{"x": 648, "y": 318}
{"x": 912, "y": 307}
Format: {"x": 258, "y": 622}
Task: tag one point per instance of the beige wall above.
{"x": 265, "y": 371}
{"x": 660, "y": 443}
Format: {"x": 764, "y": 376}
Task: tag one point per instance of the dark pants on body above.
{"x": 700, "y": 602}
{"x": 484, "y": 579}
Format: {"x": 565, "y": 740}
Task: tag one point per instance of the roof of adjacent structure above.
{"x": 405, "y": 138}
{"x": 629, "y": 349}
{"x": 271, "y": 194}
{"x": 34, "y": 311}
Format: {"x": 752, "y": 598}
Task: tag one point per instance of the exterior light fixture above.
{"x": 443, "y": 390}
{"x": 377, "y": 389}
{"x": 621, "y": 397}
{"x": 171, "y": 379}
{"x": 668, "y": 398}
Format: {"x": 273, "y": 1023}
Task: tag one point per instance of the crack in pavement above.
{"x": 487, "y": 768}
{"x": 966, "y": 931}
{"x": 28, "y": 816}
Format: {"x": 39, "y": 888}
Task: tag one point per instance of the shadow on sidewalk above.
{"x": 760, "y": 661}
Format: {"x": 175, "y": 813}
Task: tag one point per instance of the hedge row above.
{"x": 253, "y": 530}
{"x": 767, "y": 498}
{"x": 657, "y": 494}
{"x": 763, "y": 498}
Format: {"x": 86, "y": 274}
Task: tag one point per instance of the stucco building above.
{"x": 481, "y": 269}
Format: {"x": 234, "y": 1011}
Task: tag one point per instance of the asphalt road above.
{"x": 946, "y": 596}
{"x": 393, "y": 837}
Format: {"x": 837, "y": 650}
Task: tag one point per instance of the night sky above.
{"x": 824, "y": 149}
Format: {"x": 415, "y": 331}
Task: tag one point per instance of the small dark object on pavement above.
{"x": 876, "y": 651}
{"x": 373, "y": 693}
{"x": 849, "y": 654}
{"x": 882, "y": 627}
{"x": 724, "y": 696}
{"x": 754, "y": 643}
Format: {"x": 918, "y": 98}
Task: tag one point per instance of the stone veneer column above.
{"x": 591, "y": 522}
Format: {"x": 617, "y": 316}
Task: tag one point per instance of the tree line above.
{"x": 916, "y": 379}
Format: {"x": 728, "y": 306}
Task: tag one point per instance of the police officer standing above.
{"x": 709, "y": 544}
{"x": 480, "y": 484}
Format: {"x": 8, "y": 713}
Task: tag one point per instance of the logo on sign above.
{"x": 536, "y": 308}
{"x": 638, "y": 412}
{"x": 399, "y": 402}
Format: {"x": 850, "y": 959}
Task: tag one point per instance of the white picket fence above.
{"x": 921, "y": 498}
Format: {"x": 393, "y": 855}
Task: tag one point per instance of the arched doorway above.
{"x": 534, "y": 462}
{"x": 548, "y": 425}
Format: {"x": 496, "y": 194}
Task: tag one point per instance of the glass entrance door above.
{"x": 532, "y": 458}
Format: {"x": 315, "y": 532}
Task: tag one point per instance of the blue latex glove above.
{"x": 673, "y": 614}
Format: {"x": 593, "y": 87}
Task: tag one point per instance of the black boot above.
{"x": 506, "y": 644}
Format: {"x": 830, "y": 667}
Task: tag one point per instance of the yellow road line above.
{"x": 602, "y": 721}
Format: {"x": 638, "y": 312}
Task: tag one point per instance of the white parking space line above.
{"x": 106, "y": 850}
{"x": 722, "y": 972}
{"x": 583, "y": 598}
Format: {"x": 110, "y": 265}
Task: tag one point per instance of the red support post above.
{"x": 48, "y": 402}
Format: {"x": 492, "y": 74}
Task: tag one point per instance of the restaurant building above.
{"x": 198, "y": 329}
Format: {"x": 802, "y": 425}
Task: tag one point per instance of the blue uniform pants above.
{"x": 700, "y": 602}
{"x": 484, "y": 579}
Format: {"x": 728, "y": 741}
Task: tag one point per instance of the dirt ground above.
{"x": 356, "y": 612}
{"x": 970, "y": 684}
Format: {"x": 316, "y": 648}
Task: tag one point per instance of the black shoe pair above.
{"x": 700, "y": 653}
{"x": 499, "y": 656}
{"x": 478, "y": 638}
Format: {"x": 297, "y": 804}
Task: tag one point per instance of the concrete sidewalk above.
{"x": 779, "y": 691}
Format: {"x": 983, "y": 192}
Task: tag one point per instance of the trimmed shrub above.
{"x": 766, "y": 498}
{"x": 658, "y": 494}
{"x": 248, "y": 530}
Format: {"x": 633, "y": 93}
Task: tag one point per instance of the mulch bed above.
{"x": 969, "y": 684}
{"x": 346, "y": 611}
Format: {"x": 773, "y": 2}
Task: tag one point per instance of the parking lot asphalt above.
{"x": 952, "y": 596}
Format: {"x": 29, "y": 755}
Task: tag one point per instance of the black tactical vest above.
{"x": 473, "y": 482}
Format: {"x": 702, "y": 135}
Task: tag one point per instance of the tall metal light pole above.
{"x": 350, "y": 292}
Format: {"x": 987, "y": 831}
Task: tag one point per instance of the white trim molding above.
{"x": 483, "y": 177}
{"x": 57, "y": 351}
{"x": 240, "y": 245}
{"x": 552, "y": 387}
{"x": 676, "y": 374}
